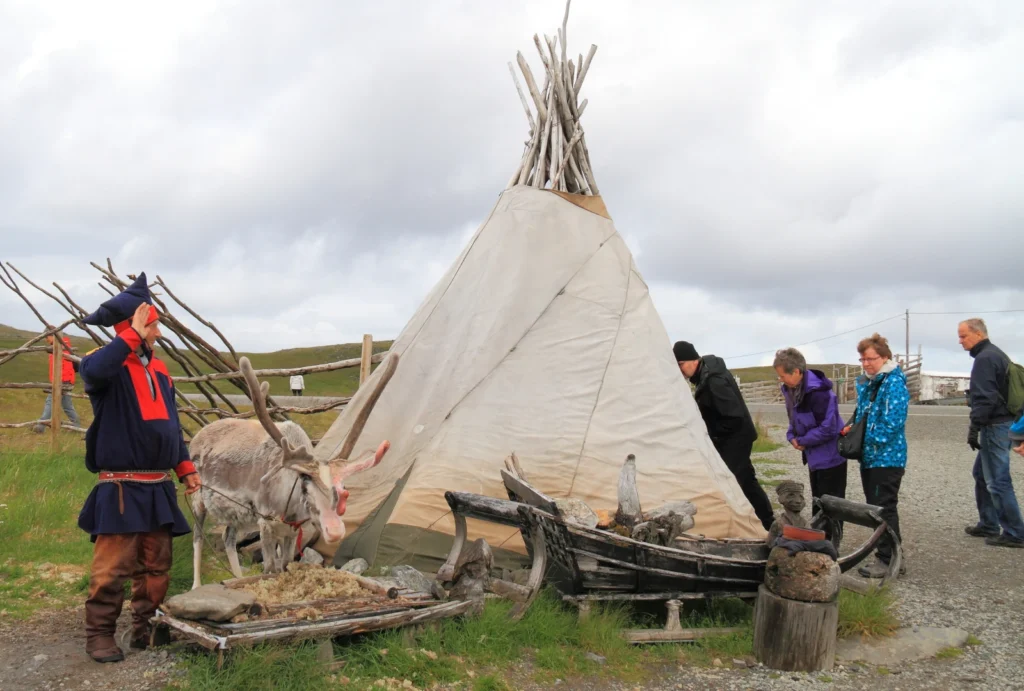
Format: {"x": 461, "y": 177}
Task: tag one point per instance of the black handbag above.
{"x": 851, "y": 445}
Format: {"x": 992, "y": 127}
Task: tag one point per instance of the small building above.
{"x": 944, "y": 387}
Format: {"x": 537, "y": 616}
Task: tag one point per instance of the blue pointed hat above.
{"x": 122, "y": 306}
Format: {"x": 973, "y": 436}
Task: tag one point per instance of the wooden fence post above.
{"x": 56, "y": 393}
{"x": 364, "y": 365}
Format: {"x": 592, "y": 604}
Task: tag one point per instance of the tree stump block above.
{"x": 804, "y": 576}
{"x": 794, "y": 636}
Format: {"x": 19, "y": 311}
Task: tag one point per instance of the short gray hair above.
{"x": 790, "y": 360}
{"x": 976, "y": 325}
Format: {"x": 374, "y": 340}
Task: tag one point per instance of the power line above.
{"x": 971, "y": 312}
{"x": 825, "y": 338}
{"x": 887, "y": 319}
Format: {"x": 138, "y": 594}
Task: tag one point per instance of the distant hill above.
{"x": 767, "y": 373}
{"x": 33, "y": 366}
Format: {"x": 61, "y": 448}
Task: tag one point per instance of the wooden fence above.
{"x": 844, "y": 382}
{"x": 55, "y": 423}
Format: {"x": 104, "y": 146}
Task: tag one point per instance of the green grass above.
{"x": 868, "y": 615}
{"x": 41, "y": 496}
{"x": 484, "y": 652}
{"x": 764, "y": 441}
{"x": 949, "y": 653}
{"x": 973, "y": 640}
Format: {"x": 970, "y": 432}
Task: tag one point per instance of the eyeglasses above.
{"x": 870, "y": 359}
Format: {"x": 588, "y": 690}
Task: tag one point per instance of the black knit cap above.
{"x": 684, "y": 351}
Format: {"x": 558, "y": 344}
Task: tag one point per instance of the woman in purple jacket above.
{"x": 814, "y": 425}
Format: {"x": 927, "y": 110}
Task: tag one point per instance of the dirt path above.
{"x": 48, "y": 652}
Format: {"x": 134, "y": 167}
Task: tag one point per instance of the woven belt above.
{"x": 149, "y": 477}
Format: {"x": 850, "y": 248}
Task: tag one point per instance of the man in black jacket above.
{"x": 725, "y": 414}
{"x": 989, "y": 435}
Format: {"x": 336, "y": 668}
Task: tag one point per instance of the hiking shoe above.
{"x": 38, "y": 429}
{"x": 1004, "y": 540}
{"x": 978, "y": 531}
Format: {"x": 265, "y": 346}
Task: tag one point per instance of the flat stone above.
{"x": 594, "y": 657}
{"x": 356, "y": 566}
{"x": 311, "y": 556}
{"x": 906, "y": 645}
{"x": 213, "y": 601}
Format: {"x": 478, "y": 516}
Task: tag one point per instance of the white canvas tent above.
{"x": 541, "y": 339}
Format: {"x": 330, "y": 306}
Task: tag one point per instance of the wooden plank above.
{"x": 677, "y": 635}
{"x": 56, "y": 393}
{"x": 501, "y": 511}
{"x": 665, "y": 572}
{"x": 364, "y": 360}
{"x": 656, "y": 597}
{"x": 353, "y": 626}
{"x": 527, "y": 494}
{"x": 196, "y": 633}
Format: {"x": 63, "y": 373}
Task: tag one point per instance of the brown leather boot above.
{"x": 103, "y": 650}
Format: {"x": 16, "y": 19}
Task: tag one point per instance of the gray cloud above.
{"x": 304, "y": 174}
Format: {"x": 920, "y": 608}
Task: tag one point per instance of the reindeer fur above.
{"x": 232, "y": 457}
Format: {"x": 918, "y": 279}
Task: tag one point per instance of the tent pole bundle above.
{"x": 556, "y": 152}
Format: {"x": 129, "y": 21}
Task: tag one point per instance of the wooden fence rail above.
{"x": 366, "y": 360}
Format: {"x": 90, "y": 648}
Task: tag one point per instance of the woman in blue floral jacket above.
{"x": 884, "y": 460}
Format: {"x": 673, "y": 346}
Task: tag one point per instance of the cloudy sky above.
{"x": 303, "y": 172}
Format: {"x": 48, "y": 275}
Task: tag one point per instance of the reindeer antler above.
{"x": 364, "y": 414}
{"x": 258, "y": 393}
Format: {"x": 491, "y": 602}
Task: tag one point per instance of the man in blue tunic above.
{"x": 134, "y": 444}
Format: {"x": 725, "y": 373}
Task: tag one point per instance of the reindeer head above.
{"x": 322, "y": 482}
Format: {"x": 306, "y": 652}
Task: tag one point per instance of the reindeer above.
{"x": 258, "y": 475}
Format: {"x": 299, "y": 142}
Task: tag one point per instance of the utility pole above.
{"x": 908, "y": 338}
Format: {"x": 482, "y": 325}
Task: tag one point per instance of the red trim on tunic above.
{"x": 129, "y": 336}
{"x": 152, "y": 406}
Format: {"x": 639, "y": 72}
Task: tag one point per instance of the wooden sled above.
{"x": 587, "y": 564}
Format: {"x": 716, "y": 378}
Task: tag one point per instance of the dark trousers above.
{"x": 145, "y": 558}
{"x": 831, "y": 481}
{"x": 296, "y": 392}
{"x": 882, "y": 488}
{"x": 737, "y": 457}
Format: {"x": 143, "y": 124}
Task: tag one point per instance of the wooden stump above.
{"x": 794, "y": 636}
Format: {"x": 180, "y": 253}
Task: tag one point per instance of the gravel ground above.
{"x": 952, "y": 579}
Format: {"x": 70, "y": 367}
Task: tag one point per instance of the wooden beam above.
{"x": 676, "y": 635}
{"x": 327, "y": 367}
{"x": 364, "y": 361}
{"x": 56, "y": 393}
